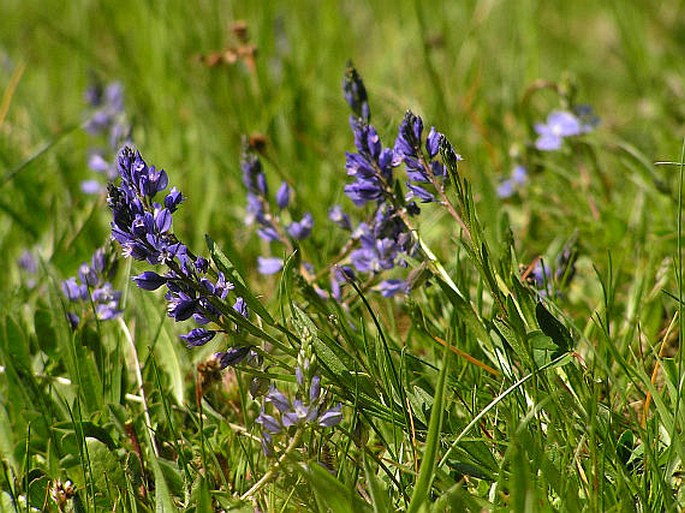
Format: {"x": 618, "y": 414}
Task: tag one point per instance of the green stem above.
{"x": 294, "y": 444}
{"x": 139, "y": 380}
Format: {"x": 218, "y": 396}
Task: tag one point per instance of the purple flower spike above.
{"x": 92, "y": 290}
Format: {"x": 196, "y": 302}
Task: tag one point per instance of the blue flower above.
{"x": 233, "y": 356}
{"x": 283, "y": 196}
{"x": 339, "y": 217}
{"x": 560, "y": 124}
{"x": 268, "y": 265}
{"x": 508, "y": 187}
{"x": 198, "y": 337}
{"x": 355, "y": 93}
{"x": 301, "y": 229}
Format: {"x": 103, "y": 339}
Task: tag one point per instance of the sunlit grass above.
{"x": 568, "y": 400}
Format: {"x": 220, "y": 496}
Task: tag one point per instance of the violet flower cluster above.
{"x": 107, "y": 117}
{"x": 271, "y": 221}
{"x": 92, "y": 289}
{"x": 385, "y": 238}
{"x": 308, "y": 409}
{"x": 143, "y": 228}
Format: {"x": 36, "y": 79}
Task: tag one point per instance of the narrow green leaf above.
{"x": 427, "y": 470}
{"x": 466, "y": 312}
{"x": 232, "y": 274}
{"x": 512, "y": 337}
{"x": 379, "y": 497}
{"x": 163, "y": 500}
{"x": 332, "y": 493}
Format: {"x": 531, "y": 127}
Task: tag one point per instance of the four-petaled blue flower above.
{"x": 560, "y": 124}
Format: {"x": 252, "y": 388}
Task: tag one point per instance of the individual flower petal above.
{"x": 301, "y": 229}
{"x": 433, "y": 142}
{"x": 269, "y": 423}
{"x": 149, "y": 280}
{"x": 339, "y": 217}
{"x": 233, "y": 356}
{"x": 241, "y": 307}
{"x": 283, "y": 196}
{"x": 198, "y": 337}
{"x": 268, "y": 265}
{"x": 92, "y": 187}
{"x": 416, "y": 191}
{"x": 390, "y": 288}
{"x": 331, "y": 417}
{"x": 519, "y": 175}
{"x": 279, "y": 400}
{"x": 315, "y": 389}
{"x": 505, "y": 189}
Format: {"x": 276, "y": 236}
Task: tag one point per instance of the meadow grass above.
{"x": 480, "y": 389}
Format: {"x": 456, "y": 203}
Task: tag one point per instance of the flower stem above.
{"x": 294, "y": 443}
{"x": 139, "y": 379}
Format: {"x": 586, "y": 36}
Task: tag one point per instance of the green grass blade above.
{"x": 427, "y": 470}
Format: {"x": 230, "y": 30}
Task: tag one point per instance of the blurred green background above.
{"x": 464, "y": 65}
